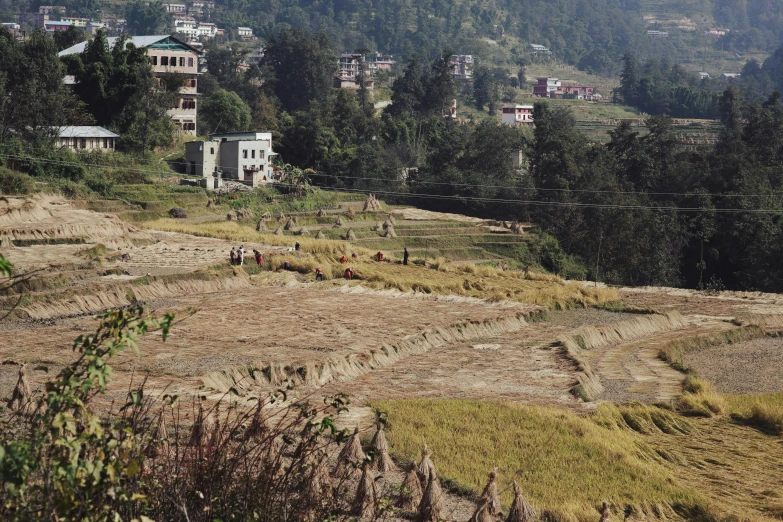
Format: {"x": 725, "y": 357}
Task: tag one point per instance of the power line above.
{"x": 477, "y": 198}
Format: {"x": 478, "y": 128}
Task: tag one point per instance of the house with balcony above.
{"x": 241, "y": 156}
{"x": 347, "y": 76}
{"x": 168, "y": 55}
{"x": 245, "y": 33}
{"x": 461, "y": 66}
{"x": 538, "y": 50}
{"x": 517, "y": 115}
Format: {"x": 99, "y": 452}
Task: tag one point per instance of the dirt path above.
{"x": 632, "y": 371}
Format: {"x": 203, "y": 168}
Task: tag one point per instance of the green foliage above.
{"x": 12, "y": 182}
{"x": 72, "y": 465}
{"x": 146, "y": 18}
{"x": 224, "y": 111}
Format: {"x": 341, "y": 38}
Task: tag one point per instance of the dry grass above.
{"x": 566, "y": 464}
{"x": 762, "y": 411}
{"x": 673, "y": 353}
{"x": 440, "y": 277}
{"x": 699, "y": 399}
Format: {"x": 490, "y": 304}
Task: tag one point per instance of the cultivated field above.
{"x": 579, "y": 392}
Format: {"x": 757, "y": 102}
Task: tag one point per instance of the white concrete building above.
{"x": 242, "y": 156}
{"x": 206, "y": 30}
{"x": 517, "y": 115}
{"x": 245, "y": 33}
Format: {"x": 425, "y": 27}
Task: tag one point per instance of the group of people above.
{"x": 237, "y": 256}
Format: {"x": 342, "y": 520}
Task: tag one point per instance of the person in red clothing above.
{"x": 349, "y": 273}
{"x": 379, "y": 256}
{"x": 259, "y": 257}
{"x": 319, "y": 274}
{"x": 355, "y": 255}
{"x": 343, "y": 260}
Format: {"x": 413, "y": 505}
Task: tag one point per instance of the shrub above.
{"x": 12, "y": 182}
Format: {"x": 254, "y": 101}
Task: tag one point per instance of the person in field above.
{"x": 405, "y": 256}
{"x": 233, "y": 256}
{"x": 343, "y": 259}
{"x": 379, "y": 256}
{"x": 319, "y": 274}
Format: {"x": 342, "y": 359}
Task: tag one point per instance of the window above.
{"x": 182, "y": 61}
{"x": 188, "y": 103}
{"x": 244, "y": 154}
{"x": 154, "y": 60}
{"x": 212, "y": 150}
{"x": 173, "y": 61}
{"x": 83, "y": 143}
{"x": 164, "y": 60}
{"x": 190, "y": 63}
{"x": 63, "y": 142}
{"x": 189, "y": 126}
{"x": 105, "y": 143}
{"x": 261, "y": 154}
{"x": 253, "y": 154}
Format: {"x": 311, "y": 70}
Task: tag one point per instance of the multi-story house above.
{"x": 206, "y": 30}
{"x": 242, "y": 156}
{"x": 545, "y": 86}
{"x": 461, "y": 66}
{"x": 538, "y": 50}
{"x": 349, "y": 66}
{"x": 517, "y": 115}
{"x": 87, "y": 138}
{"x": 168, "y": 55}
{"x": 245, "y": 33}
{"x": 176, "y": 8}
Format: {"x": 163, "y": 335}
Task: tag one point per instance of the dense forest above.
{"x": 592, "y": 35}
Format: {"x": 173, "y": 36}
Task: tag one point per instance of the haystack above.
{"x": 318, "y": 486}
{"x": 605, "y": 512}
{"x": 279, "y": 231}
{"x": 320, "y": 235}
{"x": 350, "y": 456}
{"x": 20, "y": 397}
{"x": 231, "y": 216}
{"x": 366, "y": 495}
{"x": 321, "y": 213}
{"x": 261, "y": 226}
{"x": 426, "y": 468}
{"x": 392, "y": 220}
{"x": 202, "y": 428}
{"x": 280, "y": 216}
{"x": 382, "y": 461}
{"x": 432, "y": 505}
{"x": 259, "y": 424}
{"x": 387, "y": 224}
{"x": 339, "y": 222}
{"x": 159, "y": 446}
{"x": 291, "y": 224}
{"x": 6, "y": 242}
{"x": 410, "y": 492}
{"x": 378, "y": 226}
{"x": 178, "y": 213}
{"x": 371, "y": 204}
{"x": 521, "y": 510}
{"x": 350, "y": 236}
{"x": 304, "y": 232}
{"x": 266, "y": 215}
{"x": 245, "y": 213}
{"x": 210, "y": 203}
{"x": 390, "y": 232}
{"x": 350, "y": 214}
{"x": 488, "y": 503}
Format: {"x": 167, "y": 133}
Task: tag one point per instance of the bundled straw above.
{"x": 261, "y": 226}
{"x": 20, "y": 398}
{"x": 210, "y": 204}
{"x": 202, "y": 427}
{"x": 382, "y": 461}
{"x": 231, "y": 216}
{"x": 392, "y": 220}
{"x": 387, "y": 224}
{"x": 410, "y": 491}
{"x": 350, "y": 236}
{"x": 279, "y": 231}
{"x": 259, "y": 426}
{"x": 280, "y": 216}
{"x": 320, "y": 235}
{"x": 339, "y": 222}
{"x": 431, "y": 505}
{"x": 159, "y": 446}
{"x": 350, "y": 456}
{"x": 605, "y": 512}
{"x": 371, "y": 204}
{"x": 318, "y": 485}
{"x": 378, "y": 226}
{"x": 291, "y": 224}
{"x": 266, "y": 215}
{"x": 521, "y": 510}
{"x": 426, "y": 468}
{"x": 321, "y": 213}
{"x": 390, "y": 232}
{"x": 488, "y": 504}
{"x": 366, "y": 495}
{"x": 245, "y": 213}
{"x": 304, "y": 232}
{"x": 350, "y": 214}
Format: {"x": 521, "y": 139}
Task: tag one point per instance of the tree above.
{"x": 224, "y": 111}
{"x": 440, "y": 87}
{"x": 408, "y": 89}
{"x": 69, "y": 37}
{"x": 299, "y": 67}
{"x": 629, "y": 79}
{"x": 146, "y": 18}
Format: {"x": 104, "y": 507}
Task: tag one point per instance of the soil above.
{"x": 754, "y": 366}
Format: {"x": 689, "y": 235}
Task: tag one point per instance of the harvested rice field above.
{"x": 569, "y": 388}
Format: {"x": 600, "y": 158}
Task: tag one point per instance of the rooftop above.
{"x": 138, "y": 41}
{"x": 86, "y": 131}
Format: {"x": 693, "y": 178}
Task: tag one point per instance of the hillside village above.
{"x": 440, "y": 261}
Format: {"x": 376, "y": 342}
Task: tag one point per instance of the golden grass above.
{"x": 439, "y": 277}
{"x": 762, "y": 411}
{"x": 674, "y": 352}
{"x": 699, "y": 399}
{"x": 566, "y": 464}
